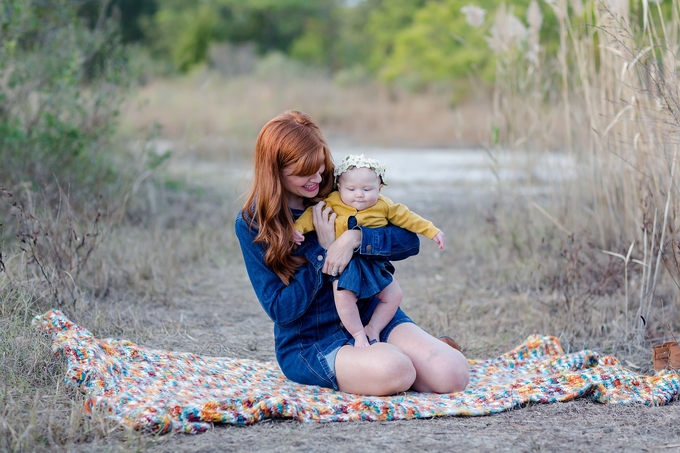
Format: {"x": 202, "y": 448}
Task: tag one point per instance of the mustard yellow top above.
{"x": 378, "y": 215}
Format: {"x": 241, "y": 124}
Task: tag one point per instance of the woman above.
{"x": 294, "y": 170}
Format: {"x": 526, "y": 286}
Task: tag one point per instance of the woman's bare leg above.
{"x": 380, "y": 369}
{"x": 439, "y": 367}
{"x": 390, "y": 299}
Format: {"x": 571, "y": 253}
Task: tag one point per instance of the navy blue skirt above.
{"x": 365, "y": 277}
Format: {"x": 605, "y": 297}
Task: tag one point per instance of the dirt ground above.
{"x": 224, "y": 319}
{"x": 217, "y": 314}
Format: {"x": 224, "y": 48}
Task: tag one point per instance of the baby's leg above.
{"x": 346, "y": 305}
{"x": 390, "y": 299}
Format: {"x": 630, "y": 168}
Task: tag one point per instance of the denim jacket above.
{"x": 306, "y": 324}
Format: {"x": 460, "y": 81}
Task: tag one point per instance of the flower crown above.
{"x": 353, "y": 161}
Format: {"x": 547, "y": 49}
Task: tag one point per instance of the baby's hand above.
{"x": 440, "y": 240}
{"x": 298, "y": 237}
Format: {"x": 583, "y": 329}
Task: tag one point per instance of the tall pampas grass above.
{"x": 612, "y": 93}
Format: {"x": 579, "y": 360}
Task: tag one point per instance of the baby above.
{"x": 357, "y": 202}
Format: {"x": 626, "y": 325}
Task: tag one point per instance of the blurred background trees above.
{"x": 65, "y": 65}
{"x": 62, "y": 74}
{"x": 419, "y": 40}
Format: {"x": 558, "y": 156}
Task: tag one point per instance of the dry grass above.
{"x": 144, "y": 261}
{"x": 209, "y": 115}
{"x": 492, "y": 293}
{"x": 38, "y": 412}
{"x": 487, "y": 294}
{"x": 176, "y": 281}
{"x": 615, "y": 86}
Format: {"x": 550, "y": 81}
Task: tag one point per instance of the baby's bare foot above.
{"x": 360, "y": 340}
{"x": 372, "y": 333}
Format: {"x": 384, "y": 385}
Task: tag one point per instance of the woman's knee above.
{"x": 381, "y": 369}
{"x": 451, "y": 376}
{"x": 394, "y": 369}
{"x": 399, "y": 372}
{"x": 460, "y": 378}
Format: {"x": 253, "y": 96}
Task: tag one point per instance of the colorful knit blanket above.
{"x": 163, "y": 391}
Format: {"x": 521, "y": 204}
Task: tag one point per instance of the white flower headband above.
{"x": 353, "y": 161}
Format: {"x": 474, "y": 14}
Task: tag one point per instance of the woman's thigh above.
{"x": 439, "y": 367}
{"x": 379, "y": 369}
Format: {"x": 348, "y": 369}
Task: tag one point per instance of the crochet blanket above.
{"x": 162, "y": 391}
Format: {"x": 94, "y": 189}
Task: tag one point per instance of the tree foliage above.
{"x": 386, "y": 20}
{"x": 182, "y": 31}
{"x": 433, "y": 40}
{"x": 61, "y": 75}
{"x": 421, "y": 40}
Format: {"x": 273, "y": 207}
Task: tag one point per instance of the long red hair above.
{"x": 290, "y": 139}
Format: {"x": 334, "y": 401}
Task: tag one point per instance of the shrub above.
{"x": 61, "y": 80}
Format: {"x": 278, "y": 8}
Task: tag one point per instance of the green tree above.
{"x": 61, "y": 78}
{"x": 438, "y": 43}
{"x": 130, "y": 13}
{"x": 184, "y": 35}
{"x": 319, "y": 36}
{"x": 386, "y": 19}
{"x": 354, "y": 42}
{"x": 182, "y": 31}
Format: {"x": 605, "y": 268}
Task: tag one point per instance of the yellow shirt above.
{"x": 378, "y": 215}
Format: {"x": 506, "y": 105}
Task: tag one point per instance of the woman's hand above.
{"x": 324, "y": 224}
{"x": 340, "y": 252}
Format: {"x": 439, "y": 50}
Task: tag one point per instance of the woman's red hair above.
{"x": 290, "y": 139}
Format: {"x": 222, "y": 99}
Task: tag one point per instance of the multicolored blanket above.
{"x": 163, "y": 391}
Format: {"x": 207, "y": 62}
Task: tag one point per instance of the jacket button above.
{"x": 368, "y": 248}
{"x": 319, "y": 258}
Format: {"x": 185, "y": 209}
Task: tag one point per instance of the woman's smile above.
{"x": 300, "y": 187}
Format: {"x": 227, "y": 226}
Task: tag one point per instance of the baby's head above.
{"x": 359, "y": 180}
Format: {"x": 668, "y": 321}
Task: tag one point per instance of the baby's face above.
{"x": 359, "y": 188}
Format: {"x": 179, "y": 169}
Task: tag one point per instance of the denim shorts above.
{"x": 327, "y": 360}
